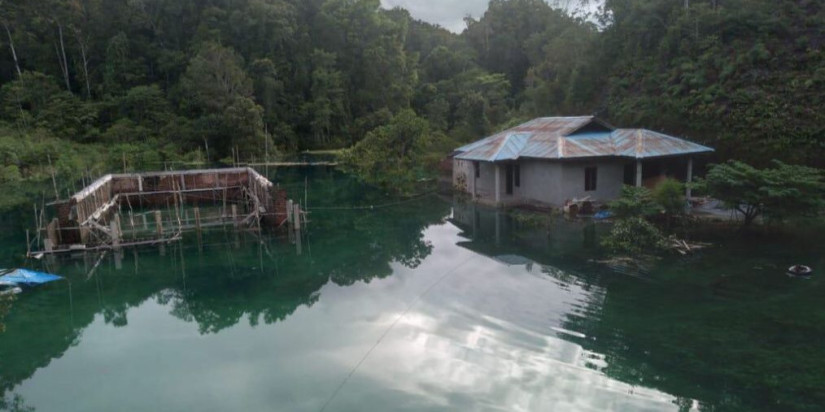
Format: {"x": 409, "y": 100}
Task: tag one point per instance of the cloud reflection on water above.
{"x": 478, "y": 338}
{"x": 482, "y": 340}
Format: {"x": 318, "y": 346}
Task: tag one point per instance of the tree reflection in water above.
{"x": 216, "y": 280}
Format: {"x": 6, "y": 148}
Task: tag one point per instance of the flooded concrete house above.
{"x": 551, "y": 160}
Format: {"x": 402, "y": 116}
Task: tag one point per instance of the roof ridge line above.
{"x": 502, "y": 145}
{"x": 640, "y": 142}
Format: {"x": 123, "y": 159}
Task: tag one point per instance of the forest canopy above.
{"x": 96, "y": 85}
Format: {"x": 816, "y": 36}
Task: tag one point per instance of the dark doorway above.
{"x": 630, "y": 174}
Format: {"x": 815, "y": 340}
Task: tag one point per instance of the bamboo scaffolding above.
{"x": 91, "y": 218}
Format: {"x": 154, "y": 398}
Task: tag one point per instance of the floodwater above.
{"x": 424, "y": 305}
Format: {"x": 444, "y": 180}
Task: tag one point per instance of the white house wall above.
{"x": 609, "y": 180}
{"x": 483, "y": 187}
{"x": 542, "y": 181}
{"x": 463, "y": 175}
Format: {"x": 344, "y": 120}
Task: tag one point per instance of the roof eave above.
{"x": 690, "y": 153}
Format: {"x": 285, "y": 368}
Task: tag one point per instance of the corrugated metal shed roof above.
{"x": 575, "y": 137}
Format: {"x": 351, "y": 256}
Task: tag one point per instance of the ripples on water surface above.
{"x": 426, "y": 305}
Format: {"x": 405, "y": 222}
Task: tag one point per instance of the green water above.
{"x": 424, "y": 305}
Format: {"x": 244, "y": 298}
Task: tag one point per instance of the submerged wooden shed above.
{"x": 143, "y": 208}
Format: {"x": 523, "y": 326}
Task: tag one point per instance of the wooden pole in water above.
{"x": 178, "y": 206}
{"x": 158, "y": 223}
{"x": 113, "y": 226}
{"x": 289, "y": 211}
{"x": 37, "y": 224}
{"x": 223, "y": 210}
{"x": 119, "y": 226}
{"x": 197, "y": 218}
{"x": 266, "y": 151}
{"x": 235, "y": 214}
{"x": 28, "y": 244}
{"x": 59, "y": 231}
{"x": 51, "y": 235}
{"x": 296, "y": 216}
{"x": 132, "y": 223}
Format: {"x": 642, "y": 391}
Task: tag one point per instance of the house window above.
{"x": 477, "y": 169}
{"x": 590, "y": 179}
{"x": 517, "y": 175}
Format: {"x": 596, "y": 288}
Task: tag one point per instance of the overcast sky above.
{"x": 448, "y": 13}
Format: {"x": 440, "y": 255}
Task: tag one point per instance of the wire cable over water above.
{"x": 441, "y": 278}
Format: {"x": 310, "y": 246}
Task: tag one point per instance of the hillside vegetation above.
{"x": 99, "y": 85}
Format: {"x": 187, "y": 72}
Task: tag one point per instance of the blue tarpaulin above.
{"x": 28, "y": 277}
{"x": 603, "y": 214}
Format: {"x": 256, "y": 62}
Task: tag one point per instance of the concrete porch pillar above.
{"x": 639, "y": 173}
{"x": 689, "y": 178}
{"x": 475, "y": 179}
{"x": 498, "y": 184}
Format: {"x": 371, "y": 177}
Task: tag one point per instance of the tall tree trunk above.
{"x": 85, "y": 65}
{"x": 65, "y": 63}
{"x": 13, "y": 52}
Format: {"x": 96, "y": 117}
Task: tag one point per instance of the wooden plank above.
{"x": 100, "y": 211}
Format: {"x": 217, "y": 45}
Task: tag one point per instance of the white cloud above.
{"x": 450, "y": 14}
{"x": 446, "y": 13}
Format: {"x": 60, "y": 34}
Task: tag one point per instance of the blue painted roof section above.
{"x": 511, "y": 147}
{"x": 28, "y": 277}
{"x": 556, "y": 138}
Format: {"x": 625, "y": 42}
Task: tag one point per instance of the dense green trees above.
{"x": 776, "y": 192}
{"x": 393, "y": 156}
{"x": 743, "y": 75}
{"x": 177, "y": 80}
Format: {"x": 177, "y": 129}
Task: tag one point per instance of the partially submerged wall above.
{"x": 540, "y": 181}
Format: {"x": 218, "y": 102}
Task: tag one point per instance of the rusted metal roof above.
{"x": 575, "y": 137}
{"x": 643, "y": 143}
